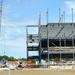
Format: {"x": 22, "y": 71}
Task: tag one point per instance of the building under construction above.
{"x": 54, "y": 40}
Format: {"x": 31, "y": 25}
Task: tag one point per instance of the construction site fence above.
{"x": 43, "y": 69}
{"x": 44, "y": 65}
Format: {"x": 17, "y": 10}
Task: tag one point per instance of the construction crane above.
{"x": 1, "y": 3}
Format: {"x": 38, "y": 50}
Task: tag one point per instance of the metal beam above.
{"x": 32, "y": 25}
{"x": 70, "y": 34}
{"x": 60, "y": 31}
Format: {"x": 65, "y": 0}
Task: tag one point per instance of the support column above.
{"x": 73, "y": 46}
{"x": 48, "y": 43}
{"x": 60, "y": 49}
{"x": 27, "y": 41}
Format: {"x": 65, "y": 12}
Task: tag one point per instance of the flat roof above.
{"x": 57, "y": 30}
{"x": 53, "y": 31}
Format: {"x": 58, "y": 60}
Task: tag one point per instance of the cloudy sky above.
{"x": 16, "y": 14}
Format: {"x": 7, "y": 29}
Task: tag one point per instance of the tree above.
{"x": 22, "y": 59}
{"x": 11, "y": 58}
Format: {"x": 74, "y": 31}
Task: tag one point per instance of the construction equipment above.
{"x": 30, "y": 64}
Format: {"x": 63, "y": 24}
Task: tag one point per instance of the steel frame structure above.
{"x": 45, "y": 34}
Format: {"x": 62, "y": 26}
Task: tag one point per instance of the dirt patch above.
{"x": 39, "y": 71}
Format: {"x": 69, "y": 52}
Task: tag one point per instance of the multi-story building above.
{"x": 54, "y": 40}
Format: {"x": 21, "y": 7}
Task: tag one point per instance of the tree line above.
{"x": 11, "y": 58}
